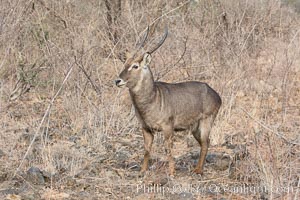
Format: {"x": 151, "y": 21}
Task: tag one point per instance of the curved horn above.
{"x": 142, "y": 43}
{"x": 162, "y": 40}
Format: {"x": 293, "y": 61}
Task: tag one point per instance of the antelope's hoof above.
{"x": 198, "y": 171}
{"x": 144, "y": 168}
{"x": 172, "y": 172}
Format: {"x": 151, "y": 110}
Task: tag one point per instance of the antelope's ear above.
{"x": 128, "y": 54}
{"x": 123, "y": 56}
{"x": 147, "y": 58}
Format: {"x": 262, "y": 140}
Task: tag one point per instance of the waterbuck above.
{"x": 168, "y": 107}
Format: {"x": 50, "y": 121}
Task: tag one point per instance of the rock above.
{"x": 223, "y": 163}
{"x": 35, "y": 176}
{"x": 160, "y": 179}
{"x": 213, "y": 157}
{"x": 219, "y": 161}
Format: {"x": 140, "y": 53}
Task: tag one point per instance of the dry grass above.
{"x": 60, "y": 111}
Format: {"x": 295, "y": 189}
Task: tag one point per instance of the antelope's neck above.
{"x": 144, "y": 93}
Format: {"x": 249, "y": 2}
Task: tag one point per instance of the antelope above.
{"x": 168, "y": 107}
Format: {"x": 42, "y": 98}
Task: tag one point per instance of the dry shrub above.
{"x": 247, "y": 50}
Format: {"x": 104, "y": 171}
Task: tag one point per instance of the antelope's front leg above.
{"x": 148, "y": 140}
{"x": 168, "y": 142}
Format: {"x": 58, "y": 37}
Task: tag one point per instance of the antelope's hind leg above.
{"x": 168, "y": 143}
{"x": 202, "y": 136}
{"x": 148, "y": 140}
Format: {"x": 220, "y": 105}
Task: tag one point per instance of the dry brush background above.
{"x": 67, "y": 133}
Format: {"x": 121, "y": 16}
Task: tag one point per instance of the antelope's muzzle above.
{"x": 120, "y": 82}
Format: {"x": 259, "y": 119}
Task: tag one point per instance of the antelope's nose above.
{"x": 120, "y": 82}
{"x": 117, "y": 81}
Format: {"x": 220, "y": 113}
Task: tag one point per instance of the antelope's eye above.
{"x": 135, "y": 66}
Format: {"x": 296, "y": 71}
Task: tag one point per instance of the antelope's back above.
{"x": 189, "y": 99}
